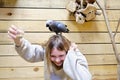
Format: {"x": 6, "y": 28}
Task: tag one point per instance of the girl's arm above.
{"x": 24, "y": 48}
{"x": 76, "y": 66}
{"x": 31, "y": 53}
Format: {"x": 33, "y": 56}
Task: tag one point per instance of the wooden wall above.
{"x": 30, "y": 15}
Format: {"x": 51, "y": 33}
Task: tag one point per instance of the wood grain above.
{"x": 31, "y": 15}
{"x": 45, "y": 14}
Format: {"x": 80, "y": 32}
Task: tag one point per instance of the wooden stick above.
{"x": 109, "y": 29}
{"x": 117, "y": 28}
{"x": 111, "y": 36}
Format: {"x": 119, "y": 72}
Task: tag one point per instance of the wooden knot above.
{"x": 36, "y": 69}
{"x": 9, "y": 14}
{"x": 12, "y": 69}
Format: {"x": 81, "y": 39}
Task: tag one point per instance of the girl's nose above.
{"x": 57, "y": 60}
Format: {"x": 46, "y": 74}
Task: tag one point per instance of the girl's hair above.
{"x": 56, "y": 41}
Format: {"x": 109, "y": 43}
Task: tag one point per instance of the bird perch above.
{"x": 102, "y": 7}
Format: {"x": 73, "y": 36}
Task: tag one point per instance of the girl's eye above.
{"x": 52, "y": 56}
{"x": 61, "y": 55}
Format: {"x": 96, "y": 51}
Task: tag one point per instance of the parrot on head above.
{"x": 56, "y": 26}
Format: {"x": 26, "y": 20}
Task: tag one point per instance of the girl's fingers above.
{"x": 73, "y": 46}
{"x": 16, "y": 30}
{"x": 12, "y": 31}
{"x": 14, "y": 27}
{"x": 11, "y": 35}
{"x": 15, "y": 33}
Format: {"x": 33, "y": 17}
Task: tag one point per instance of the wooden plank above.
{"x": 33, "y": 14}
{"x": 110, "y": 4}
{"x": 9, "y": 50}
{"x": 39, "y": 26}
{"x": 39, "y": 78}
{"x": 44, "y": 14}
{"x": 104, "y": 72}
{"x": 35, "y": 3}
{"x": 74, "y": 37}
{"x": 101, "y": 59}
{"x": 25, "y": 72}
{"x": 94, "y": 78}
{"x": 97, "y": 49}
{"x": 17, "y": 61}
{"x": 10, "y": 61}
{"x": 105, "y": 77}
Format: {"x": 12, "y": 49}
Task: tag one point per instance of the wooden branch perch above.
{"x": 102, "y": 7}
{"x": 117, "y": 28}
{"x": 109, "y": 29}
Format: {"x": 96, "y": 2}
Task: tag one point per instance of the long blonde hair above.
{"x": 56, "y": 41}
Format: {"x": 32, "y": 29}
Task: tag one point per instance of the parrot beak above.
{"x": 47, "y": 25}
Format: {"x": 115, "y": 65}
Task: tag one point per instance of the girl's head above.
{"x": 56, "y": 50}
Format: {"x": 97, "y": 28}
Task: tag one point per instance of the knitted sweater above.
{"x": 75, "y": 66}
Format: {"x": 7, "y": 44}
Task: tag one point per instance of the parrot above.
{"x": 56, "y": 26}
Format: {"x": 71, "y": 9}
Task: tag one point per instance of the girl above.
{"x": 62, "y": 59}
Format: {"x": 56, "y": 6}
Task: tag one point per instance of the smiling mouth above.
{"x": 58, "y": 66}
{"x": 58, "y": 63}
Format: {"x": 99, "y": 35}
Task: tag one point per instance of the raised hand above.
{"x": 73, "y": 46}
{"x": 15, "y": 34}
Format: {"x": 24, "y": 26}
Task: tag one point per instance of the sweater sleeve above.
{"x": 76, "y": 66}
{"x": 29, "y": 52}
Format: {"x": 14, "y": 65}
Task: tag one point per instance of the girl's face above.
{"x": 57, "y": 56}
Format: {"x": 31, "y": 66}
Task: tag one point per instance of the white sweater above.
{"x": 75, "y": 66}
